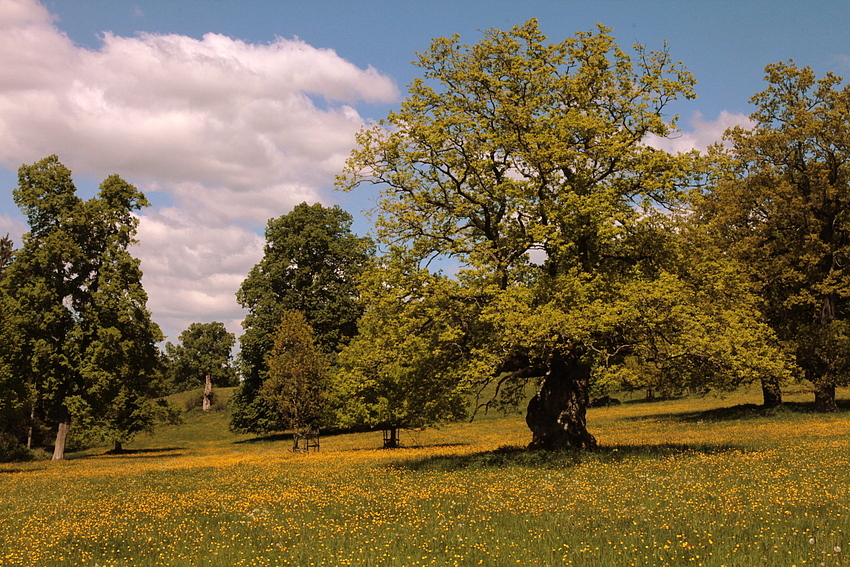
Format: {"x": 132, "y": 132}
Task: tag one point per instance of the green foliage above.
{"x": 7, "y": 253}
{"x": 525, "y": 162}
{"x": 696, "y": 327}
{"x": 204, "y": 350}
{"x": 779, "y": 202}
{"x": 311, "y": 264}
{"x": 401, "y": 370}
{"x": 297, "y": 377}
{"x": 82, "y": 339}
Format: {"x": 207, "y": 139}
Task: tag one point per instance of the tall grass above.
{"x": 695, "y": 481}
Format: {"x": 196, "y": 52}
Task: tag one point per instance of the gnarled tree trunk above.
{"x": 771, "y": 392}
{"x": 557, "y": 414}
{"x": 62, "y": 433}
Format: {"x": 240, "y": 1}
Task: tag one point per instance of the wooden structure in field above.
{"x": 305, "y": 439}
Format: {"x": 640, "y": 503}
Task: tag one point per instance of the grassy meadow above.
{"x": 691, "y": 481}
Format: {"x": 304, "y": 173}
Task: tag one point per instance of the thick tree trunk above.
{"x": 825, "y": 397}
{"x": 62, "y": 433}
{"x": 119, "y": 447}
{"x": 771, "y": 392}
{"x": 557, "y": 413}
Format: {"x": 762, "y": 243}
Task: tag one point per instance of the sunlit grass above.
{"x": 677, "y": 482}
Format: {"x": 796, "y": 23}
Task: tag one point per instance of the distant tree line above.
{"x": 588, "y": 262}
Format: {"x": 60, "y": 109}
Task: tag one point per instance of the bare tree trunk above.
{"x": 207, "y": 393}
{"x": 825, "y": 397}
{"x": 30, "y": 428}
{"x": 557, "y": 413}
{"x": 771, "y": 392}
{"x": 62, "y": 433}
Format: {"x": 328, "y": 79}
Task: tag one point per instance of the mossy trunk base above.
{"x": 557, "y": 414}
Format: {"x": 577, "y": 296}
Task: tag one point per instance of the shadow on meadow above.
{"x": 512, "y": 456}
{"x": 21, "y": 470}
{"x": 741, "y": 412}
{"x": 287, "y": 435}
{"x": 270, "y": 438}
{"x": 152, "y": 453}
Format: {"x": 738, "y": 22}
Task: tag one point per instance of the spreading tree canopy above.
{"x": 781, "y": 205}
{"x": 524, "y": 162}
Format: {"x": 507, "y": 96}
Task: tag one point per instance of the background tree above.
{"x": 297, "y": 376}
{"x": 781, "y": 205}
{"x": 205, "y": 349}
{"x": 14, "y": 394}
{"x": 7, "y": 253}
{"x": 311, "y": 263}
{"x": 525, "y": 162}
{"x": 86, "y": 344}
{"x": 119, "y": 364}
{"x": 400, "y": 370}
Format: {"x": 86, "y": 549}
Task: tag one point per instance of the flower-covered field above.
{"x": 676, "y": 483}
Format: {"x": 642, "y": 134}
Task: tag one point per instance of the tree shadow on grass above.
{"x": 741, "y": 412}
{"x": 24, "y": 470}
{"x": 287, "y": 435}
{"x": 512, "y": 456}
{"x": 269, "y": 438}
{"x": 152, "y": 453}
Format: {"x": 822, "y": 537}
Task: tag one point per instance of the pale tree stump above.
{"x": 207, "y": 393}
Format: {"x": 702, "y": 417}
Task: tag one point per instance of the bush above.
{"x": 12, "y": 450}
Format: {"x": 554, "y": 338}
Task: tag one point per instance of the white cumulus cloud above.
{"x": 233, "y": 132}
{"x": 700, "y": 133}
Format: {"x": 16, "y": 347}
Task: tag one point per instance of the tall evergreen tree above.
{"x": 297, "y": 378}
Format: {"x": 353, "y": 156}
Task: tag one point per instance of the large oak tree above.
{"x": 525, "y": 162}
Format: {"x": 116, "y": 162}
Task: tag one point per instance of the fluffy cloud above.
{"x": 193, "y": 269}
{"x": 233, "y": 132}
{"x": 701, "y": 132}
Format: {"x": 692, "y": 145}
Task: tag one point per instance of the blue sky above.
{"x": 224, "y": 131}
